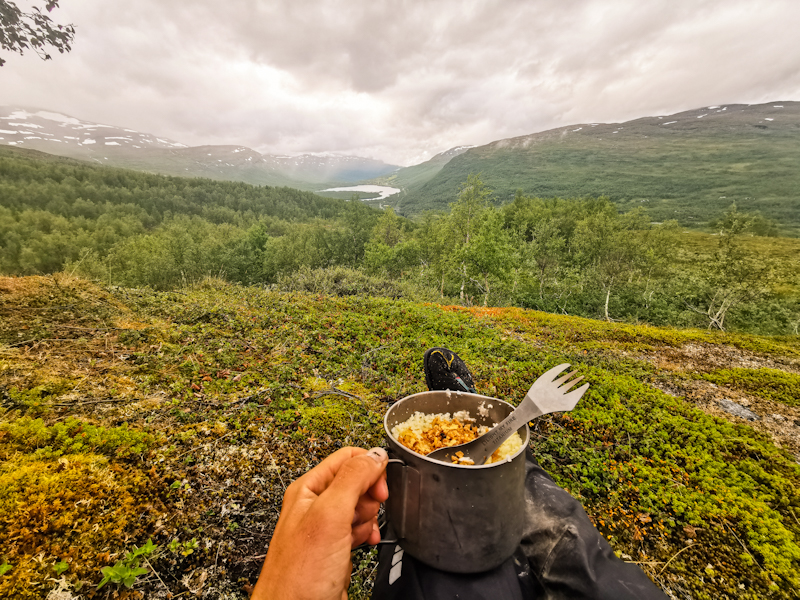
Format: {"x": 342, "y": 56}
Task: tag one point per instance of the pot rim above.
{"x": 525, "y": 441}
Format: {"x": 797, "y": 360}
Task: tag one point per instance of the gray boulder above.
{"x": 738, "y": 410}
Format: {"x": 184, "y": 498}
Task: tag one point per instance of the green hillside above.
{"x": 181, "y": 417}
{"x": 689, "y": 166}
{"x": 56, "y": 211}
{"x": 579, "y": 257}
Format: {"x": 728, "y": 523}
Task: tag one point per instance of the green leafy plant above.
{"x": 5, "y": 568}
{"x": 121, "y": 573}
{"x": 185, "y": 548}
{"x": 126, "y": 571}
{"x": 60, "y": 567}
{"x": 72, "y": 436}
{"x": 772, "y": 384}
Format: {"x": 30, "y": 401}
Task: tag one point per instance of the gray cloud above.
{"x": 403, "y": 80}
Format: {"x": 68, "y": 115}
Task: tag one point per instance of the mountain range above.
{"x": 690, "y": 166}
{"x": 63, "y": 135}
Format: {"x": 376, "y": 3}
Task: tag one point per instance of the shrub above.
{"x": 771, "y": 384}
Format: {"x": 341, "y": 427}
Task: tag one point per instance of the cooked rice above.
{"x": 425, "y": 433}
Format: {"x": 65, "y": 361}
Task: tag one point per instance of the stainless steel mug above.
{"x": 454, "y": 517}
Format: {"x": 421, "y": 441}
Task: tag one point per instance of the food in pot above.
{"x": 425, "y": 433}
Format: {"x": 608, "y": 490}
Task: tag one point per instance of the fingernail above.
{"x": 378, "y": 455}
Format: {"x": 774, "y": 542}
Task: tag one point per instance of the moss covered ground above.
{"x": 180, "y": 417}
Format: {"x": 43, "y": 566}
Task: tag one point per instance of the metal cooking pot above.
{"x": 457, "y": 518}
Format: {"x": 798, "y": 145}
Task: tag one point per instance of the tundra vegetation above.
{"x": 568, "y": 256}
{"x": 147, "y": 437}
{"x": 174, "y": 352}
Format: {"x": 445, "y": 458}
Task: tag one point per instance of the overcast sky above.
{"x": 402, "y": 80}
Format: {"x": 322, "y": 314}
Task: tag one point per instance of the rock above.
{"x": 738, "y": 410}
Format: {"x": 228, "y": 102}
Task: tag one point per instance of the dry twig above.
{"x": 106, "y": 401}
{"x": 794, "y": 515}
{"x": 155, "y": 573}
{"x": 743, "y": 546}
{"x": 676, "y": 554}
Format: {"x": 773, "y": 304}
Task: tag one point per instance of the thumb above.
{"x": 354, "y": 478}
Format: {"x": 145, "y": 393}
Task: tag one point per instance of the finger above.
{"x": 366, "y": 509}
{"x": 320, "y": 477}
{"x": 380, "y": 491}
{"x": 353, "y": 479}
{"x": 365, "y": 533}
{"x": 374, "y": 536}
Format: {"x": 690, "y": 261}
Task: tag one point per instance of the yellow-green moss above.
{"x": 71, "y": 436}
{"x": 77, "y": 508}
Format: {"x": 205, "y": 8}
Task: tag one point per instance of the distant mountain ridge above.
{"x": 63, "y": 135}
{"x": 689, "y": 166}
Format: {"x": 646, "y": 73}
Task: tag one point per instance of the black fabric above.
{"x": 443, "y": 369}
{"x": 569, "y": 558}
{"x": 562, "y": 556}
{"x": 414, "y": 580}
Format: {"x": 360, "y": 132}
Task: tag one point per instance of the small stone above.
{"x": 738, "y": 410}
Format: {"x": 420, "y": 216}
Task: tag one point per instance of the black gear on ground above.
{"x": 443, "y": 367}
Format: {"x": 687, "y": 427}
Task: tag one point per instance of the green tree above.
{"x": 389, "y": 229}
{"x": 737, "y": 222}
{"x": 436, "y": 252}
{"x": 731, "y": 278}
{"x": 466, "y": 215}
{"x": 609, "y": 248}
{"x": 20, "y": 31}
{"x": 379, "y": 253}
{"x": 544, "y": 254}
{"x": 488, "y": 258}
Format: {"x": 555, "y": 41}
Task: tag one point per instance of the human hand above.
{"x": 325, "y": 514}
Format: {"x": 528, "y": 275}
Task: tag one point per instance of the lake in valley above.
{"x": 383, "y": 190}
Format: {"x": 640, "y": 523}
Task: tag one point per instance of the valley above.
{"x": 689, "y": 166}
{"x": 109, "y": 145}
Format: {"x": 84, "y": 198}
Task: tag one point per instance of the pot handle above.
{"x": 403, "y": 505}
{"x": 407, "y": 495}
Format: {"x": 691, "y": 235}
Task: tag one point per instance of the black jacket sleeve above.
{"x": 568, "y": 557}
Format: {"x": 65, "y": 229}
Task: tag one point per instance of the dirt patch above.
{"x": 705, "y": 357}
{"x": 779, "y": 421}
